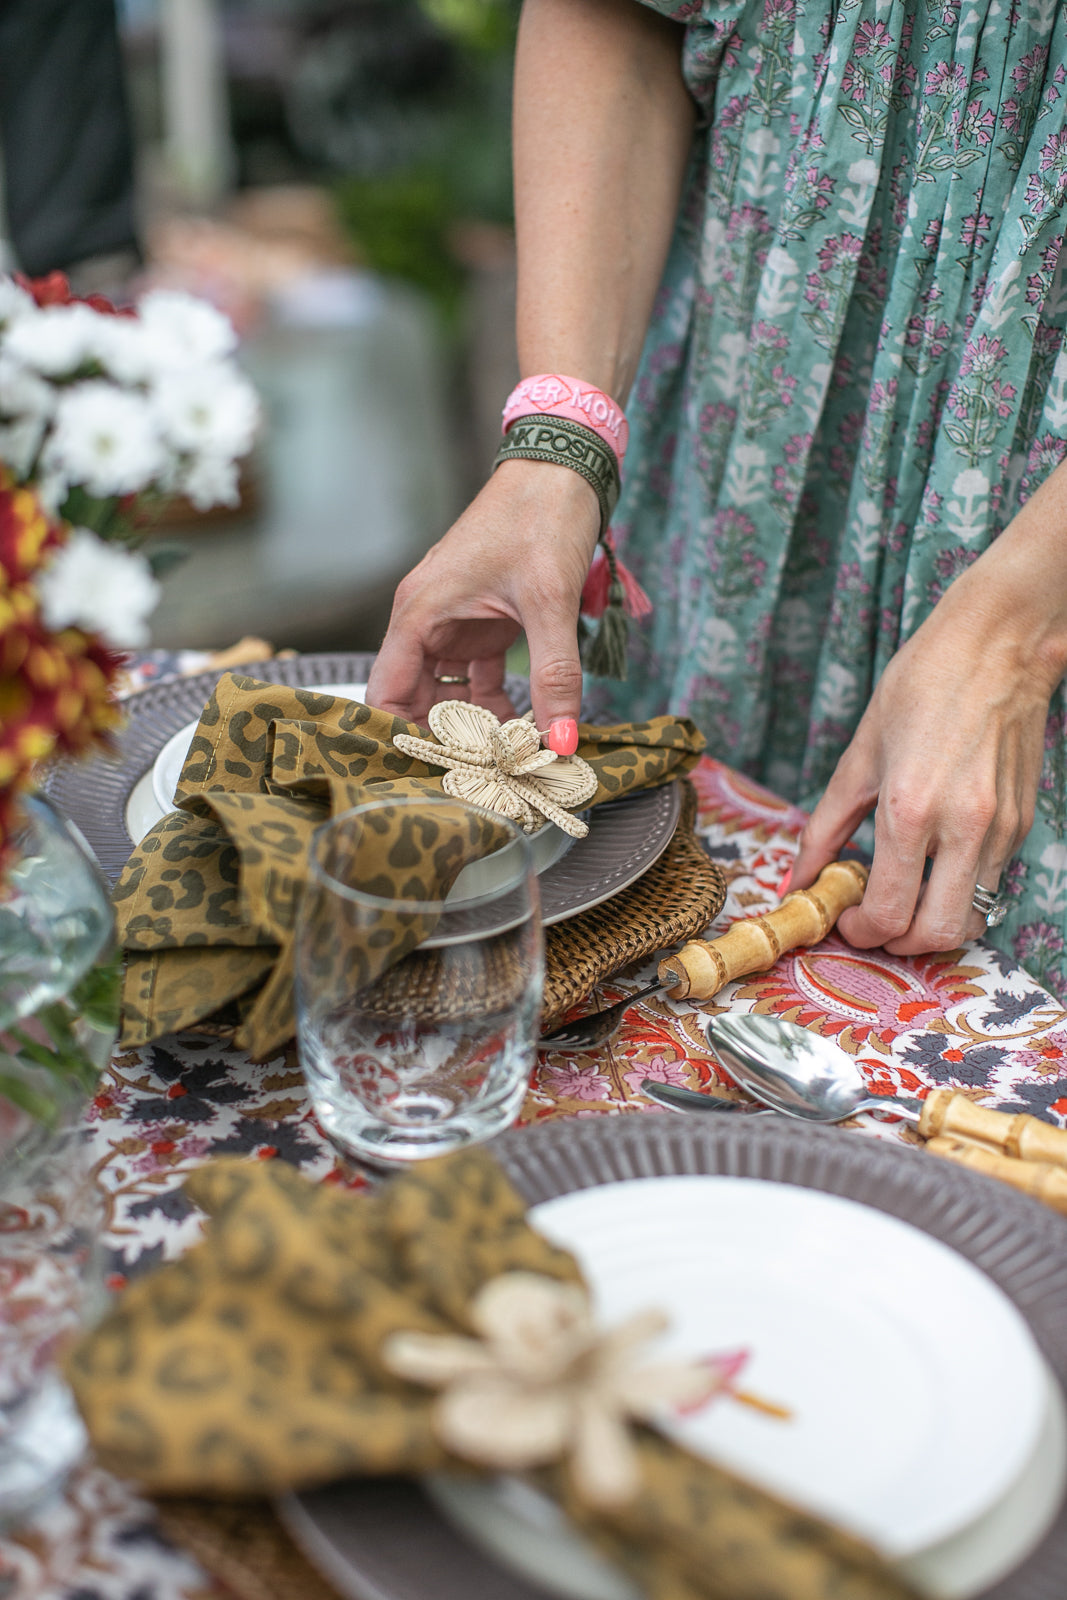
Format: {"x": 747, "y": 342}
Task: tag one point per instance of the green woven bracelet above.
{"x": 566, "y": 444}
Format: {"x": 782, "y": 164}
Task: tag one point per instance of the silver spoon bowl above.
{"x": 797, "y": 1072}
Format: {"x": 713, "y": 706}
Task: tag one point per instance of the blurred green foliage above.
{"x": 400, "y": 224}
{"x": 487, "y": 25}
{"x": 401, "y": 219}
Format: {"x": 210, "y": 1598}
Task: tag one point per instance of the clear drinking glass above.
{"x": 419, "y": 970}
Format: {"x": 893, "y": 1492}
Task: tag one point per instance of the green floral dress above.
{"x": 854, "y": 376}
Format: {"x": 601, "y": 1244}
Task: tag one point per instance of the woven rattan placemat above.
{"x": 673, "y": 901}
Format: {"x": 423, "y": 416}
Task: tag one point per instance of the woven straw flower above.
{"x": 503, "y": 767}
{"x": 543, "y": 1382}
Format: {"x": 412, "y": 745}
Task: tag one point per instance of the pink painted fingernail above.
{"x": 783, "y": 887}
{"x": 563, "y": 736}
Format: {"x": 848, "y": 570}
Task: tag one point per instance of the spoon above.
{"x": 586, "y": 1033}
{"x": 798, "y": 1072}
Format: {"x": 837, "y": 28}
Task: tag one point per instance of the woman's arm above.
{"x": 602, "y": 130}
{"x": 951, "y": 744}
{"x": 603, "y": 125}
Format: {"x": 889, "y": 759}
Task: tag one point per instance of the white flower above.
{"x": 23, "y": 393}
{"x": 19, "y": 443}
{"x": 184, "y": 331}
{"x": 101, "y": 588}
{"x": 56, "y": 340}
{"x": 26, "y": 404}
{"x": 172, "y": 332}
{"x": 127, "y": 351}
{"x": 209, "y": 408}
{"x": 105, "y": 440}
{"x": 210, "y": 481}
{"x": 14, "y": 302}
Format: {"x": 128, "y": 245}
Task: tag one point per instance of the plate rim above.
{"x": 94, "y": 791}
{"x": 1018, "y": 1243}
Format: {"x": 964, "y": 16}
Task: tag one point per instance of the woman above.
{"x": 834, "y": 231}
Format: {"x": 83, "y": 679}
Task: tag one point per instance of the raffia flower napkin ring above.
{"x": 503, "y": 767}
{"x": 543, "y": 1382}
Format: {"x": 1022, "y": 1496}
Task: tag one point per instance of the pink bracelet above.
{"x": 568, "y": 397}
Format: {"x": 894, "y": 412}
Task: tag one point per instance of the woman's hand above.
{"x": 516, "y": 559}
{"x": 950, "y": 748}
{"x": 602, "y": 128}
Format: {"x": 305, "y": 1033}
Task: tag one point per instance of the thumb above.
{"x": 555, "y": 679}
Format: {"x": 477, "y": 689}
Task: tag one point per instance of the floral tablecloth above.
{"x": 971, "y": 1019}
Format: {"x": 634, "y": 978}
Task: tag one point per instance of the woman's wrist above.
{"x": 1015, "y": 598}
{"x": 541, "y": 489}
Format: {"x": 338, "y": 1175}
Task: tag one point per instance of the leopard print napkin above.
{"x": 207, "y": 902}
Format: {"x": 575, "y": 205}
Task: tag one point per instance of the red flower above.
{"x": 54, "y": 290}
{"x": 55, "y": 688}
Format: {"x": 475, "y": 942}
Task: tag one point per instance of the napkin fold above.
{"x": 254, "y": 1364}
{"x": 207, "y": 902}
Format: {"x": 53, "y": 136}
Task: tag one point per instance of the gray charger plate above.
{"x": 625, "y": 836}
{"x": 383, "y": 1539}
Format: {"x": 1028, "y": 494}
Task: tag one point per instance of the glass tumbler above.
{"x": 419, "y": 970}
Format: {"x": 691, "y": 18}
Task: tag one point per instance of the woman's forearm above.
{"x": 603, "y": 125}
{"x": 1016, "y": 591}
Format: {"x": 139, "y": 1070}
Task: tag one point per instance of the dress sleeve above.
{"x": 711, "y": 30}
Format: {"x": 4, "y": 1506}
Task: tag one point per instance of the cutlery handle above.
{"x": 1035, "y": 1178}
{"x": 702, "y": 967}
{"x": 1024, "y": 1137}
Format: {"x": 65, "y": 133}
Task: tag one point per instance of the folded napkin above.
{"x": 266, "y": 1358}
{"x": 207, "y": 901}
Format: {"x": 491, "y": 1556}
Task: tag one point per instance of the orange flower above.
{"x": 55, "y": 688}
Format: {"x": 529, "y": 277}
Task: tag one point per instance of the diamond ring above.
{"x": 989, "y": 905}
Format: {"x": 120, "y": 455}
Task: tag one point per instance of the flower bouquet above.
{"x": 102, "y": 413}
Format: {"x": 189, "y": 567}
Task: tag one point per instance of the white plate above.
{"x": 879, "y": 1339}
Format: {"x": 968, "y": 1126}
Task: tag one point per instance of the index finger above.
{"x": 401, "y": 680}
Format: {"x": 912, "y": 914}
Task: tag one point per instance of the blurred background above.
{"x": 335, "y": 175}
